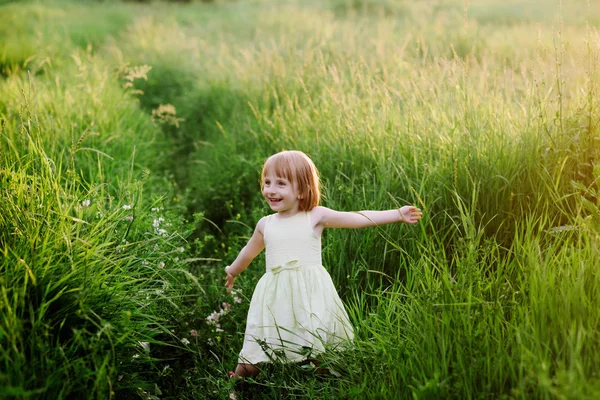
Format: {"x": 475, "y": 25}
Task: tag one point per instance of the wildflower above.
{"x": 133, "y": 73}
{"x": 126, "y": 207}
{"x": 185, "y": 341}
{"x": 166, "y": 114}
{"x": 86, "y": 203}
{"x": 144, "y": 262}
{"x": 226, "y": 306}
{"x": 219, "y": 329}
{"x": 129, "y": 218}
{"x": 213, "y": 318}
{"x": 135, "y": 356}
{"x": 181, "y": 249}
{"x": 237, "y": 299}
{"x": 157, "y": 221}
{"x": 155, "y": 209}
{"x": 231, "y": 374}
{"x": 161, "y": 232}
{"x": 193, "y": 333}
{"x": 145, "y": 346}
{"x": 161, "y": 264}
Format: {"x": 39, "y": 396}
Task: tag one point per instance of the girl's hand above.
{"x": 410, "y": 214}
{"x": 230, "y": 278}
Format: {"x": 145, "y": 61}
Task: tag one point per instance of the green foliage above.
{"x": 93, "y": 273}
{"x": 85, "y": 278}
{"x": 172, "y": 109}
{"x": 37, "y": 35}
{"x": 376, "y": 7}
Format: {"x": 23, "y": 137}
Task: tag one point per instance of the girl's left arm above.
{"x": 329, "y": 218}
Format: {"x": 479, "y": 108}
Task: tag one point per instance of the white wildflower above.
{"x": 145, "y": 346}
{"x": 126, "y": 207}
{"x": 185, "y": 341}
{"x": 213, "y": 318}
{"x": 86, "y": 203}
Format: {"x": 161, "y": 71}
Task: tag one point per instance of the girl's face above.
{"x": 281, "y": 194}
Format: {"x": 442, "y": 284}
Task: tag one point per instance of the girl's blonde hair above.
{"x": 298, "y": 168}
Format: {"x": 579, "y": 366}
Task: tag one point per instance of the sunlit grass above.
{"x": 482, "y": 114}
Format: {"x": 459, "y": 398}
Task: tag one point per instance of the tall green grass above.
{"x": 484, "y": 115}
{"x": 93, "y": 279}
{"x": 39, "y": 34}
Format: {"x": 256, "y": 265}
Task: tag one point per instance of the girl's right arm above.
{"x": 255, "y": 245}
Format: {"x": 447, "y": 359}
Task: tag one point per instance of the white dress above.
{"x": 295, "y": 310}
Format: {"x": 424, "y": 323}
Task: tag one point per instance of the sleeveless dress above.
{"x": 295, "y": 310}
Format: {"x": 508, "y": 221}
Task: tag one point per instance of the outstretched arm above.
{"x": 255, "y": 245}
{"x": 328, "y": 218}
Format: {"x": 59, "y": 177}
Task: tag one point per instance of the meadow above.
{"x": 131, "y": 141}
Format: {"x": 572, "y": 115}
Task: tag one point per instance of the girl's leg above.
{"x": 245, "y": 370}
{"x": 242, "y": 371}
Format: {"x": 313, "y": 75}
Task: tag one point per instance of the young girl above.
{"x": 295, "y": 308}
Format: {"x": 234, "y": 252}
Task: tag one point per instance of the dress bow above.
{"x": 292, "y": 264}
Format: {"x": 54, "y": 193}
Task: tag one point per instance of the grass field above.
{"x": 131, "y": 141}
